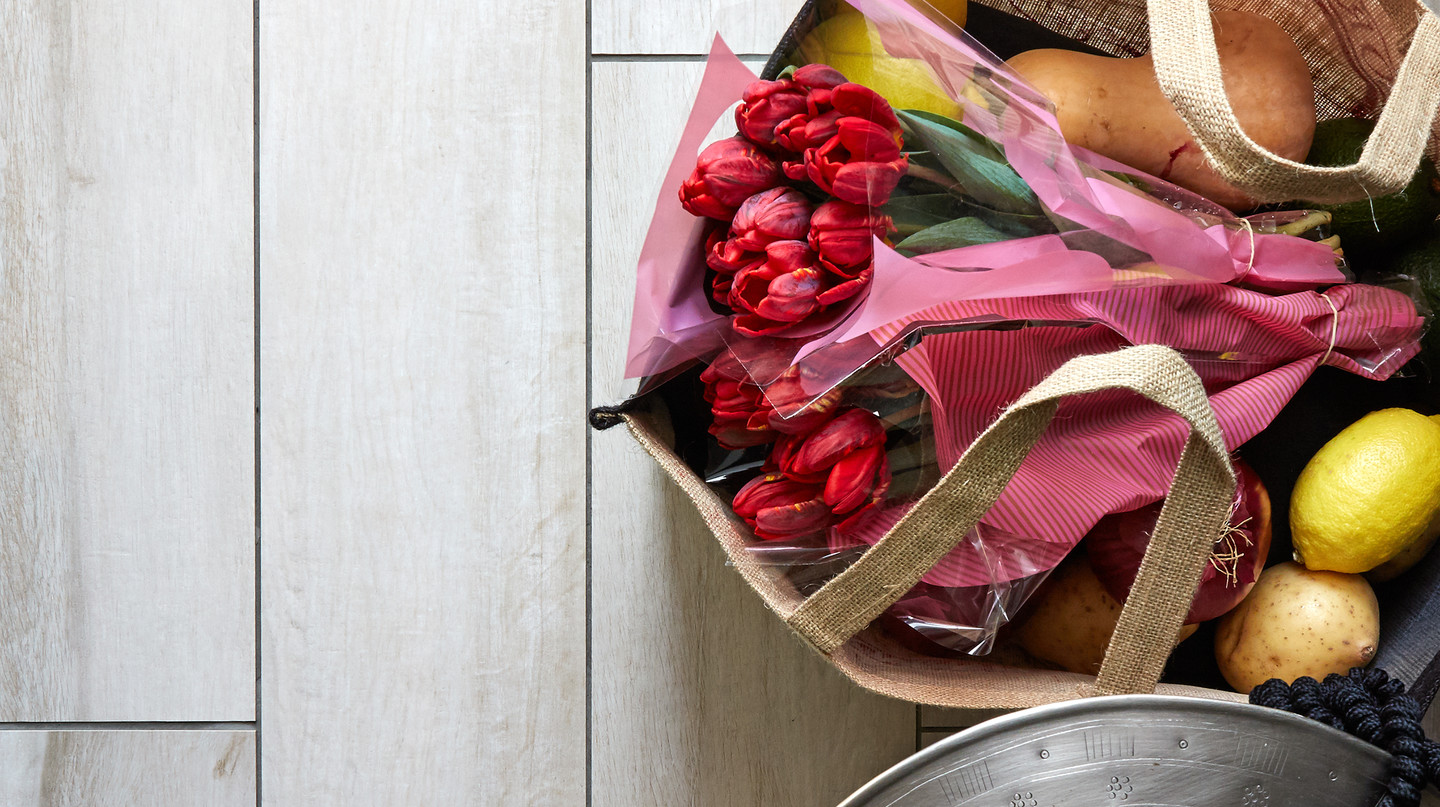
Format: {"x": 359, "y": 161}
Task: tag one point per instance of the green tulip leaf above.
{"x": 922, "y": 210}
{"x": 981, "y": 142}
{"x": 974, "y": 162}
{"x": 964, "y": 232}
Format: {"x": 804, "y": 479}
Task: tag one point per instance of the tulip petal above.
{"x": 814, "y": 76}
{"x": 820, "y": 129}
{"x": 728, "y": 257}
{"x": 846, "y": 290}
{"x": 720, "y": 289}
{"x": 866, "y": 140}
{"x": 820, "y": 170}
{"x": 841, "y": 233}
{"x": 846, "y": 253}
{"x": 725, "y": 365}
{"x": 789, "y": 255}
{"x": 812, "y": 417}
{"x": 860, "y": 101}
{"x": 749, "y": 287}
{"x": 759, "y": 421}
{"x": 778, "y": 214}
{"x": 792, "y": 520}
{"x": 867, "y": 183}
{"x": 755, "y": 494}
{"x": 851, "y": 431}
{"x": 852, "y": 479}
{"x": 736, "y": 436}
{"x": 792, "y": 410}
{"x": 787, "y": 448}
{"x": 752, "y": 325}
{"x": 768, "y": 490}
{"x": 791, "y": 296}
{"x": 697, "y": 201}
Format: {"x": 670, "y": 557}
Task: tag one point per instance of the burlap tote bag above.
{"x": 1377, "y": 59}
{"x": 836, "y": 620}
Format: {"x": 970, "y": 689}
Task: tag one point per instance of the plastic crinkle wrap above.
{"x": 868, "y": 288}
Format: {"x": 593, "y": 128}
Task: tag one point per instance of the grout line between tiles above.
{"x": 589, "y": 379}
{"x": 607, "y": 58}
{"x": 255, "y": 224}
{"x": 161, "y": 725}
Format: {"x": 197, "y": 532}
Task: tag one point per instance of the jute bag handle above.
{"x": 1187, "y": 65}
{"x": 1193, "y": 516}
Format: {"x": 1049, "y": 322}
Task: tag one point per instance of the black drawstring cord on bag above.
{"x": 1374, "y": 707}
{"x": 604, "y": 417}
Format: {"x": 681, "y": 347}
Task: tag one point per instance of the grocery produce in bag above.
{"x": 867, "y": 287}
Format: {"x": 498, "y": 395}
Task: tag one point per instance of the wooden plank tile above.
{"x": 423, "y": 431}
{"x": 700, "y": 695}
{"x": 936, "y": 717}
{"x": 127, "y": 768}
{"x": 657, "y": 26}
{"x": 929, "y": 738}
{"x": 127, "y": 513}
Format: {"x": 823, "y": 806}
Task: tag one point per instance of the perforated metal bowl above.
{"x": 1138, "y": 751}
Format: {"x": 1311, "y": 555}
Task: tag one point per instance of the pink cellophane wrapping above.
{"x": 1244, "y": 307}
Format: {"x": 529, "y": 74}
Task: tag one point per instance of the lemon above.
{"x": 953, "y": 10}
{"x": 849, "y": 43}
{"x": 1370, "y": 494}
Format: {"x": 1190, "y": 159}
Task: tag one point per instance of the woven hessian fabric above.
{"x": 834, "y": 620}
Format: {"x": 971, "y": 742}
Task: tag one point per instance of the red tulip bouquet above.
{"x": 865, "y": 288}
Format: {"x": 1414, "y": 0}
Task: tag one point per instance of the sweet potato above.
{"x": 1114, "y": 106}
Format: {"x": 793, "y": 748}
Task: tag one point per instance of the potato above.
{"x": 1071, "y": 619}
{"x": 1298, "y": 622}
{"x": 1114, "y": 106}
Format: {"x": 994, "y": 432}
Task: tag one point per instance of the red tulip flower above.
{"x": 786, "y": 395}
{"x": 745, "y": 415}
{"x": 768, "y": 104}
{"x": 846, "y": 455}
{"x": 742, "y": 415}
{"x": 778, "y": 214}
{"x": 780, "y": 292}
{"x": 726, "y": 258}
{"x": 765, "y": 105}
{"x": 818, "y": 481}
{"x": 778, "y": 508}
{"x": 851, "y": 151}
{"x": 841, "y": 233}
{"x": 786, "y": 289}
{"x": 727, "y": 173}
{"x": 815, "y": 123}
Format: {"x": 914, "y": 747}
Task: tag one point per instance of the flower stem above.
{"x": 933, "y": 176}
{"x": 1306, "y": 224}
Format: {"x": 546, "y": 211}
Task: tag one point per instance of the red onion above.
{"x": 1118, "y": 542}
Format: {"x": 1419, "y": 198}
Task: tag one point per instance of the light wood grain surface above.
{"x": 127, "y": 477}
{"x": 661, "y": 27}
{"x": 464, "y": 597}
{"x": 127, "y": 768}
{"x": 423, "y": 482}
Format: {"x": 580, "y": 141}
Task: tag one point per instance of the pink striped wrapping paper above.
{"x": 1113, "y": 452}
